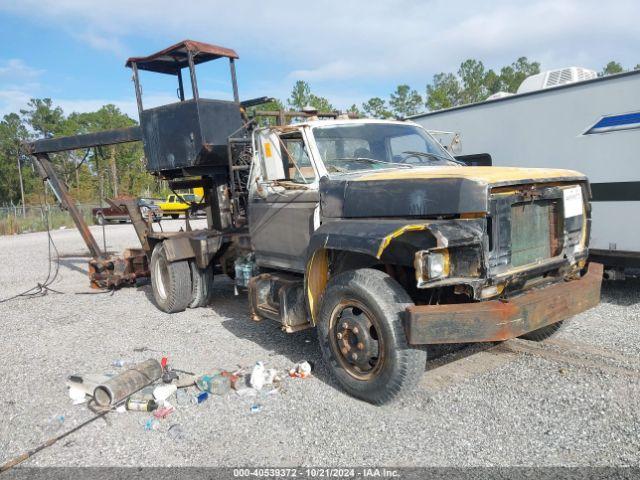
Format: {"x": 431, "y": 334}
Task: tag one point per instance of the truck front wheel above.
{"x": 170, "y": 281}
{"x": 362, "y": 337}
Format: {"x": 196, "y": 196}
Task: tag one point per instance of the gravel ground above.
{"x": 573, "y": 400}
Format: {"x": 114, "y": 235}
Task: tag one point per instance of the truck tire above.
{"x": 543, "y": 333}
{"x": 170, "y": 281}
{"x": 361, "y": 314}
{"x": 202, "y": 285}
{"x": 175, "y": 216}
{"x": 100, "y": 220}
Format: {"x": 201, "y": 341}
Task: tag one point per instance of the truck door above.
{"x": 282, "y": 205}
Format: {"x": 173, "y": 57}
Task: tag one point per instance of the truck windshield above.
{"x": 372, "y": 146}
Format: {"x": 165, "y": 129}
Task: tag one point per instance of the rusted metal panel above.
{"x": 499, "y": 320}
{"x": 116, "y": 272}
{"x": 172, "y": 59}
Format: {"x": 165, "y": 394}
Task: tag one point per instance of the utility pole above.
{"x": 24, "y": 212}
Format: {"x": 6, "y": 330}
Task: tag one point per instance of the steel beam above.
{"x": 76, "y": 142}
{"x": 47, "y": 171}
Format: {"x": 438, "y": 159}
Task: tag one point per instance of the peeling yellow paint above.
{"x": 483, "y": 174}
{"x": 401, "y": 231}
{"x": 317, "y": 278}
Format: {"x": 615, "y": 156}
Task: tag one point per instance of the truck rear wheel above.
{"x": 202, "y": 285}
{"x": 543, "y": 333}
{"x": 362, "y": 338}
{"x": 170, "y": 281}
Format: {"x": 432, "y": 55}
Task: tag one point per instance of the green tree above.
{"x": 513, "y": 75}
{"x": 12, "y": 135}
{"x": 377, "y": 108}
{"x": 47, "y": 120}
{"x": 443, "y": 92}
{"x": 43, "y": 117}
{"x": 611, "y": 68}
{"x": 119, "y": 167}
{"x": 273, "y": 106}
{"x": 405, "y": 101}
{"x": 472, "y": 76}
{"x": 321, "y": 104}
{"x": 474, "y": 83}
{"x": 353, "y": 110}
{"x": 300, "y": 95}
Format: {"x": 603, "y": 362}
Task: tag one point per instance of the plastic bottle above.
{"x": 257, "y": 376}
{"x": 182, "y": 397}
{"x": 162, "y": 392}
{"x": 216, "y": 383}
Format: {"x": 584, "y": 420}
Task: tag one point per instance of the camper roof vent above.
{"x": 553, "y": 78}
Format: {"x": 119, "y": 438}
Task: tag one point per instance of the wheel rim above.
{"x": 160, "y": 272}
{"x": 355, "y": 340}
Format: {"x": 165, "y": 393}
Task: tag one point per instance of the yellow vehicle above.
{"x": 175, "y": 205}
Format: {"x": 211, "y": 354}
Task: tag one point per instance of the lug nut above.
{"x": 355, "y": 330}
{"x": 345, "y": 325}
{"x": 339, "y": 336}
{"x": 354, "y": 356}
{"x": 360, "y": 346}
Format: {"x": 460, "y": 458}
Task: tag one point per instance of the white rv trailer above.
{"x": 592, "y": 126}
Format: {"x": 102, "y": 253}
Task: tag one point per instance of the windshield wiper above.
{"x": 375, "y": 160}
{"x": 434, "y": 155}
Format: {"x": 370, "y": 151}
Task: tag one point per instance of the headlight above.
{"x": 437, "y": 265}
{"x": 431, "y": 265}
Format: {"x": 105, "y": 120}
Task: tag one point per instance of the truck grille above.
{"x": 535, "y": 230}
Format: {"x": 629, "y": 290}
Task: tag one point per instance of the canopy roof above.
{"x": 172, "y": 59}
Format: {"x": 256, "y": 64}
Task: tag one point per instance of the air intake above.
{"x": 554, "y": 78}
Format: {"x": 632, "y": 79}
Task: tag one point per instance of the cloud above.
{"x": 102, "y": 42}
{"x": 333, "y": 43}
{"x": 16, "y": 69}
{"x": 337, "y": 39}
{"x": 12, "y": 100}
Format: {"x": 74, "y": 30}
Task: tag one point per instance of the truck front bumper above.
{"x": 498, "y": 320}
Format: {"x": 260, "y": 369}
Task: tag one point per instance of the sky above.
{"x": 74, "y": 51}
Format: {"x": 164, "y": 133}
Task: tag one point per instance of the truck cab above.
{"x": 392, "y": 244}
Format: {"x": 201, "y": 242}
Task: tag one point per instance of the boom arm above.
{"x": 46, "y": 171}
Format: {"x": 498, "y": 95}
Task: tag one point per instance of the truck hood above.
{"x": 425, "y": 191}
{"x": 489, "y": 175}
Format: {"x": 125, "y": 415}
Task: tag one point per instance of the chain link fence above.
{"x": 16, "y": 219}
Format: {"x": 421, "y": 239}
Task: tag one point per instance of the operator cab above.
{"x": 188, "y": 137}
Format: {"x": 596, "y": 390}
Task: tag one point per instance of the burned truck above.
{"x": 367, "y": 230}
